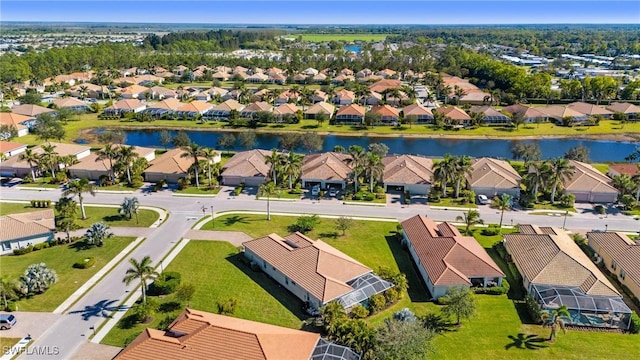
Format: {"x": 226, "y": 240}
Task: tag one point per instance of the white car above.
{"x": 333, "y": 192}
{"x": 315, "y": 191}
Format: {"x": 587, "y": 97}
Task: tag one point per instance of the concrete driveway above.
{"x": 34, "y": 323}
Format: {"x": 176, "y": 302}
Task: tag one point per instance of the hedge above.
{"x": 166, "y": 283}
{"x": 635, "y": 323}
{"x": 22, "y": 251}
{"x": 85, "y": 263}
{"x": 40, "y": 203}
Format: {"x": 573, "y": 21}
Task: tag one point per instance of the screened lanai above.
{"x": 363, "y": 288}
{"x": 585, "y": 309}
{"x": 326, "y": 350}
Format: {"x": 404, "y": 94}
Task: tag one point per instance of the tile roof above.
{"x": 494, "y": 173}
{"x": 228, "y": 106}
{"x": 248, "y": 164}
{"x": 528, "y": 112}
{"x": 555, "y": 259}
{"x": 92, "y": 163}
{"x": 319, "y": 107}
{"x": 134, "y": 89}
{"x": 69, "y": 102}
{"x": 416, "y": 109}
{"x": 487, "y": 111}
{"x": 625, "y": 108}
{"x": 166, "y": 104}
{"x": 8, "y": 146}
{"x": 345, "y": 94}
{"x": 257, "y": 106}
{"x": 590, "y": 109}
{"x": 16, "y": 226}
{"x": 587, "y": 178}
{"x": 385, "y": 110}
{"x": 325, "y": 166}
{"x": 621, "y": 249}
{"x": 198, "y": 335}
{"x": 318, "y": 268}
{"x": 30, "y": 110}
{"x": 286, "y": 109}
{"x": 560, "y": 112}
{"x": 351, "y": 109}
{"x": 453, "y": 112}
{"x": 407, "y": 169}
{"x": 170, "y": 162}
{"x": 628, "y": 169}
{"x": 15, "y": 120}
{"x": 385, "y": 84}
{"x": 127, "y": 104}
{"x": 448, "y": 257}
{"x": 196, "y": 106}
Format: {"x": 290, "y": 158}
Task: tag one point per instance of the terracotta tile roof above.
{"x": 62, "y": 150}
{"x": 199, "y": 335}
{"x": 560, "y": 112}
{"x": 407, "y": 169}
{"x": 216, "y": 91}
{"x": 196, "y": 106}
{"x": 587, "y": 178}
{"x": 621, "y": 249}
{"x": 319, "y": 107}
{"x": 8, "y": 146}
{"x": 555, "y": 259}
{"x": 257, "y": 106}
{"x": 453, "y": 112}
{"x": 248, "y": 164}
{"x": 625, "y": 108}
{"x": 286, "y": 109}
{"x": 14, "y": 120}
{"x": 127, "y": 104}
{"x": 163, "y": 91}
{"x": 345, "y": 94}
{"x": 452, "y": 81}
{"x": 385, "y": 110}
{"x": 69, "y": 102}
{"x": 30, "y": 110}
{"x": 590, "y": 109}
{"x": 16, "y": 226}
{"x": 351, "y": 109}
{"x": 494, "y": 173}
{"x": 325, "y": 166}
{"x": 134, "y": 89}
{"x": 448, "y": 257}
{"x": 167, "y": 104}
{"x": 627, "y": 169}
{"x": 416, "y": 110}
{"x": 385, "y": 84}
{"x": 317, "y": 267}
{"x": 487, "y": 111}
{"x": 92, "y": 163}
{"x": 170, "y": 162}
{"x": 228, "y": 106}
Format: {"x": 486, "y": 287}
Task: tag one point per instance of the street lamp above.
{"x": 564, "y": 223}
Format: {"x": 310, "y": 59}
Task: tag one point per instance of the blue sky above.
{"x": 324, "y": 12}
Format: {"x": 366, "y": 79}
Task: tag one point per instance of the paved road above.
{"x": 72, "y": 329}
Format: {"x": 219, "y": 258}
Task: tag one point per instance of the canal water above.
{"x": 600, "y": 150}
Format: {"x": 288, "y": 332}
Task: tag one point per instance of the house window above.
{"x": 622, "y": 274}
{"x": 286, "y": 280}
{"x": 613, "y": 265}
{"x": 264, "y": 264}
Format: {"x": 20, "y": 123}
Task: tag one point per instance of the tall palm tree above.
{"x": 32, "y": 158}
{"x": 7, "y": 290}
{"x": 461, "y": 168}
{"x": 268, "y": 190}
{"x": 636, "y": 183}
{"x": 554, "y": 320}
{"x": 50, "y": 157}
{"x": 291, "y": 166}
{"x": 560, "y": 168}
{"x": 210, "y": 154}
{"x": 109, "y": 152}
{"x": 470, "y": 218}
{"x": 502, "y": 203}
{"x": 77, "y": 188}
{"x": 373, "y": 167}
{"x": 356, "y": 159}
{"x": 140, "y": 270}
{"x": 193, "y": 151}
{"x": 127, "y": 155}
{"x": 537, "y": 175}
{"x": 443, "y": 171}
{"x": 274, "y": 159}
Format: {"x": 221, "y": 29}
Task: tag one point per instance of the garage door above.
{"x": 604, "y": 198}
{"x": 582, "y": 197}
{"x": 231, "y": 180}
{"x": 254, "y": 181}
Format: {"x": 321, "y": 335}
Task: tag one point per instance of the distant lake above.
{"x": 600, "y": 150}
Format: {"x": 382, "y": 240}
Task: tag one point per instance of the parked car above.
{"x": 482, "y": 199}
{"x": 333, "y": 192}
{"x": 7, "y": 321}
{"x": 315, "y": 191}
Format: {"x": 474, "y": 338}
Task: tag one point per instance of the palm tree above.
{"x": 193, "y": 151}
{"x": 374, "y": 168}
{"x": 502, "y": 203}
{"x": 537, "y": 175}
{"x": 470, "y": 218}
{"x": 141, "y": 270}
{"x": 554, "y": 320}
{"x": 356, "y": 160}
{"x": 274, "y": 159}
{"x": 109, "y": 152}
{"x": 77, "y": 188}
{"x": 97, "y": 233}
{"x": 443, "y": 171}
{"x": 7, "y": 290}
{"x": 560, "y": 168}
{"x": 268, "y": 190}
{"x": 636, "y": 183}
{"x": 129, "y": 207}
{"x": 50, "y": 157}
{"x": 127, "y": 155}
{"x": 291, "y": 166}
{"x": 461, "y": 168}
{"x": 210, "y": 155}
{"x": 32, "y": 159}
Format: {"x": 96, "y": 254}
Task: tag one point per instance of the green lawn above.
{"x": 548, "y": 206}
{"x": 61, "y": 259}
{"x": 451, "y": 202}
{"x": 40, "y": 185}
{"x": 117, "y": 187}
{"x": 15, "y": 208}
{"x": 203, "y": 190}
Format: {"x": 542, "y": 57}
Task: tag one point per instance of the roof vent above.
{"x": 291, "y": 243}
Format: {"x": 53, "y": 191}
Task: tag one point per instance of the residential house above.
{"x": 125, "y": 106}
{"x": 531, "y": 115}
{"x": 341, "y": 79}
{"x": 220, "y": 76}
{"x": 350, "y": 114}
{"x": 21, "y": 230}
{"x": 199, "y": 335}
{"x": 216, "y": 92}
{"x": 180, "y": 70}
{"x": 632, "y": 111}
{"x": 343, "y": 97}
{"x": 320, "y": 107}
{"x": 492, "y": 177}
{"x": 19, "y": 122}
{"x": 9, "y": 149}
{"x": 310, "y": 72}
{"x": 15, "y": 167}
{"x": 134, "y": 92}
{"x": 163, "y": 108}
{"x": 318, "y": 96}
{"x": 372, "y": 98}
{"x": 591, "y": 110}
{"x": 556, "y": 272}
{"x": 88, "y": 90}
{"x": 160, "y": 93}
{"x": 223, "y": 110}
{"x": 418, "y": 114}
{"x": 313, "y": 271}
{"x": 193, "y": 109}
{"x": 285, "y": 111}
{"x": 364, "y": 73}
{"x": 620, "y": 255}
{"x": 257, "y": 78}
{"x": 388, "y": 114}
{"x": 319, "y": 79}
{"x": 588, "y": 184}
{"x": 386, "y": 73}
{"x": 446, "y": 259}
{"x": 32, "y": 111}
{"x": 454, "y": 116}
{"x": 231, "y": 95}
{"x": 170, "y": 167}
{"x": 300, "y": 79}
{"x": 491, "y": 116}
{"x": 92, "y": 168}
{"x": 385, "y": 85}
{"x": 73, "y": 104}
{"x": 326, "y": 170}
{"x": 248, "y": 167}
{"x": 475, "y": 97}
{"x": 287, "y": 96}
{"x": 407, "y": 173}
{"x": 623, "y": 169}
{"x": 147, "y": 80}
{"x": 559, "y": 113}
{"x": 250, "y": 110}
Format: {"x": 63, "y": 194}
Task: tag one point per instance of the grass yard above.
{"x": 61, "y": 259}
{"x": 7, "y": 343}
{"x": 203, "y": 190}
{"x": 117, "y": 187}
{"x": 40, "y": 185}
{"x": 451, "y": 202}
{"x": 7, "y": 208}
{"x": 548, "y": 206}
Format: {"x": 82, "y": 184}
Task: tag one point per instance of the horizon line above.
{"x": 310, "y": 25}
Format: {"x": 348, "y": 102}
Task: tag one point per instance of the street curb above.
{"x": 276, "y": 199}
{"x": 363, "y": 203}
{"x": 114, "y": 192}
{"x": 36, "y": 188}
{"x": 195, "y": 195}
{"x": 455, "y": 208}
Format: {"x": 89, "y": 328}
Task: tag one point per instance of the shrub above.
{"x": 635, "y": 323}
{"x": 369, "y": 197}
{"x": 599, "y": 209}
{"x": 40, "y": 246}
{"x": 85, "y": 263}
{"x": 493, "y": 290}
{"x": 533, "y": 309}
{"x": 378, "y": 190}
{"x": 165, "y": 322}
{"x": 227, "y": 307}
{"x": 442, "y": 300}
{"x": 376, "y": 303}
{"x": 579, "y": 240}
{"x": 492, "y": 230}
{"x": 297, "y": 190}
{"x": 499, "y": 248}
{"x": 434, "y": 195}
{"x": 143, "y": 311}
{"x": 237, "y": 190}
{"x": 11, "y": 306}
{"x": 357, "y": 196}
{"x": 359, "y": 312}
{"x": 166, "y": 283}
{"x": 305, "y": 224}
{"x": 169, "y": 306}
{"x": 22, "y": 251}
{"x": 159, "y": 185}
{"x": 392, "y": 295}
{"x": 567, "y": 200}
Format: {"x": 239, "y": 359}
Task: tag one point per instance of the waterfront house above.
{"x": 490, "y": 116}
{"x": 454, "y": 116}
{"x": 559, "y": 113}
{"x": 350, "y": 114}
{"x": 591, "y": 109}
{"x": 632, "y": 111}
{"x": 410, "y": 173}
{"x": 588, "y": 184}
{"x": 163, "y": 109}
{"x": 492, "y": 177}
{"x": 248, "y": 167}
{"x": 387, "y": 113}
{"x": 320, "y": 107}
{"x": 223, "y": 110}
{"x": 125, "y": 106}
{"x": 326, "y": 170}
{"x": 623, "y": 169}
{"x": 531, "y": 115}
{"x": 193, "y": 109}
{"x": 170, "y": 167}
{"x": 73, "y": 104}
{"x": 250, "y": 110}
{"x": 418, "y": 114}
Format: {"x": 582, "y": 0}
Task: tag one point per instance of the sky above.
{"x": 325, "y": 12}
